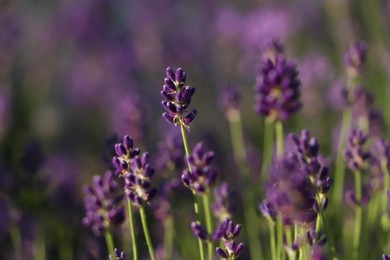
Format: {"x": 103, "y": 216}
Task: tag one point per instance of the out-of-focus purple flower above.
{"x": 177, "y": 98}
{"x": 355, "y": 155}
{"x": 228, "y": 232}
{"x": 102, "y": 205}
{"x": 385, "y": 257}
{"x": 203, "y": 174}
{"x": 32, "y": 157}
{"x": 290, "y": 191}
{"x": 350, "y": 198}
{"x": 359, "y": 99}
{"x": 127, "y": 116}
{"x": 271, "y": 49}
{"x": 125, "y": 151}
{"x": 199, "y": 230}
{"x": 170, "y": 152}
{"x": 138, "y": 185}
{"x": 354, "y": 58}
{"x": 268, "y": 210}
{"x": 278, "y": 89}
{"x": 229, "y": 99}
{"x": 223, "y": 206}
{"x": 318, "y": 253}
{"x": 118, "y": 255}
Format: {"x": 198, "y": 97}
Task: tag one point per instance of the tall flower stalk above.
{"x": 230, "y": 103}
{"x": 125, "y": 152}
{"x": 177, "y": 98}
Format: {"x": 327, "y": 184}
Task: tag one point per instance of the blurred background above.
{"x": 73, "y": 74}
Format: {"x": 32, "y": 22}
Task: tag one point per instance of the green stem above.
{"x": 132, "y": 229}
{"x": 385, "y": 184}
{"x": 168, "y": 237}
{"x": 252, "y": 230}
{"x": 272, "y": 239}
{"x": 279, "y": 232}
{"x": 279, "y": 138}
{"x": 196, "y": 203}
{"x": 267, "y": 148}
{"x": 209, "y": 227}
{"x": 146, "y": 232}
{"x": 340, "y": 163}
{"x": 109, "y": 243}
{"x": 16, "y": 240}
{"x": 358, "y": 211}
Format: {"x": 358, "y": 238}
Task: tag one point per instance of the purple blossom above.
{"x": 223, "y": 206}
{"x": 118, "y": 255}
{"x": 229, "y": 99}
{"x": 355, "y": 155}
{"x": 268, "y": 210}
{"x": 138, "y": 185}
{"x": 177, "y": 98}
{"x": 354, "y": 57}
{"x": 102, "y": 205}
{"x": 199, "y": 230}
{"x": 203, "y": 174}
{"x": 278, "y": 89}
{"x": 290, "y": 192}
{"x": 125, "y": 151}
{"x": 228, "y": 232}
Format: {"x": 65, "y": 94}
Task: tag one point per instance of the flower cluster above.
{"x": 229, "y": 99}
{"x": 228, "y": 232}
{"x": 202, "y": 175}
{"x": 125, "y": 151}
{"x": 102, "y": 205}
{"x": 355, "y": 155}
{"x": 138, "y": 185}
{"x": 278, "y": 89}
{"x": 223, "y": 207}
{"x": 118, "y": 255}
{"x": 177, "y": 97}
{"x": 290, "y": 193}
{"x": 355, "y": 57}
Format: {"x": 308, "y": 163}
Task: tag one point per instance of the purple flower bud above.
{"x": 222, "y": 253}
{"x": 199, "y": 230}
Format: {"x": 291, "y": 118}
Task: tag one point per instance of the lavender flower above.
{"x": 125, "y": 151}
{"x": 138, "y": 185}
{"x": 102, "y": 205}
{"x": 355, "y": 57}
{"x": 223, "y": 207}
{"x": 229, "y": 99}
{"x": 118, "y": 255}
{"x": 199, "y": 230}
{"x": 203, "y": 174}
{"x": 290, "y": 192}
{"x": 385, "y": 257}
{"x": 268, "y": 211}
{"x": 177, "y": 98}
{"x": 278, "y": 89}
{"x": 355, "y": 155}
{"x": 228, "y": 232}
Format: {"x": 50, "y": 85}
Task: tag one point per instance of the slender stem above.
{"x": 16, "y": 240}
{"x": 252, "y": 230}
{"x": 386, "y": 179}
{"x": 267, "y": 148}
{"x": 146, "y": 232}
{"x": 358, "y": 212}
{"x": 340, "y": 163}
{"x": 196, "y": 203}
{"x": 279, "y": 230}
{"x": 272, "y": 239}
{"x": 279, "y": 138}
{"x": 209, "y": 227}
{"x": 289, "y": 238}
{"x": 109, "y": 243}
{"x": 132, "y": 229}
{"x": 168, "y": 237}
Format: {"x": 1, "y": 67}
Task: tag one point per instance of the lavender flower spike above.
{"x": 199, "y": 230}
{"x": 228, "y": 232}
{"x": 138, "y": 185}
{"x": 355, "y": 57}
{"x": 278, "y": 89}
{"x": 102, "y": 205}
{"x": 177, "y": 98}
{"x": 203, "y": 174}
{"x": 125, "y": 151}
{"x": 355, "y": 155}
{"x": 118, "y": 255}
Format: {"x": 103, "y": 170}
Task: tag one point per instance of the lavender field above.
{"x": 188, "y": 130}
